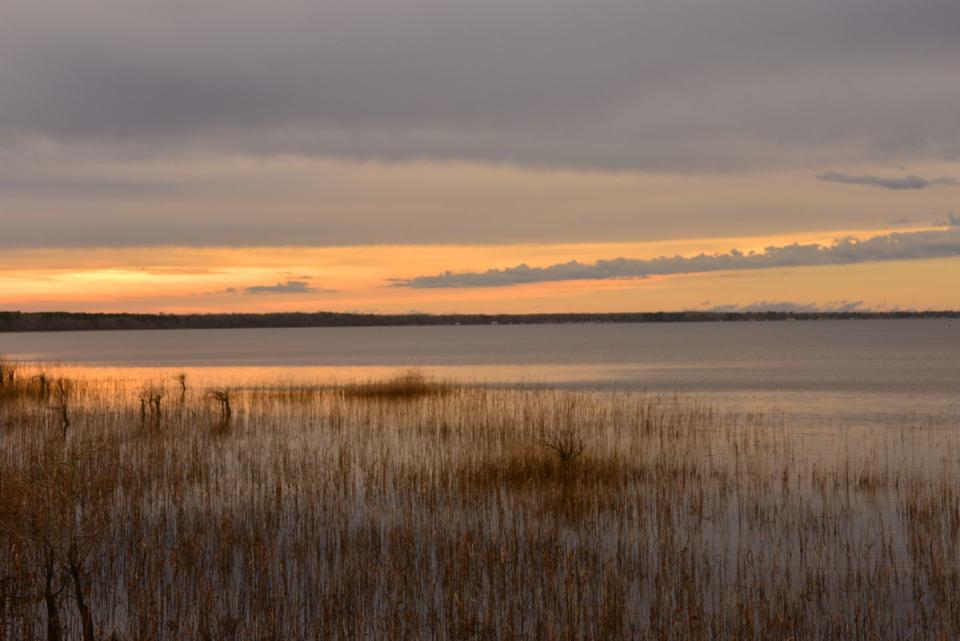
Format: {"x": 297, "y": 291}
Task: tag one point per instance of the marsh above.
{"x": 373, "y": 501}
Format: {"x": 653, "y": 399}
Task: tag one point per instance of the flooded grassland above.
{"x": 411, "y": 508}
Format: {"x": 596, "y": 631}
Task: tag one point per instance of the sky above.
{"x": 445, "y": 156}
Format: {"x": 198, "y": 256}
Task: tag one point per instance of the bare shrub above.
{"x": 61, "y": 402}
{"x": 223, "y": 399}
{"x": 43, "y": 386}
{"x": 182, "y": 382}
{"x": 8, "y": 372}
{"x": 54, "y": 513}
{"x": 151, "y": 403}
{"x": 566, "y": 443}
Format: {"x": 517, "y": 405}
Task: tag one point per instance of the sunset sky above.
{"x": 534, "y": 156}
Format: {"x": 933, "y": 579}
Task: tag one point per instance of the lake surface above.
{"x": 888, "y": 372}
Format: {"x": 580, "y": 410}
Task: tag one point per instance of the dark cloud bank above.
{"x": 896, "y": 246}
{"x": 610, "y": 84}
{"x": 116, "y": 87}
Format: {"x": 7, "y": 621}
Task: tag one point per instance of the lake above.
{"x": 857, "y": 372}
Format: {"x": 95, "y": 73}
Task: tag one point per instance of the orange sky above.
{"x": 358, "y": 278}
{"x": 199, "y": 231}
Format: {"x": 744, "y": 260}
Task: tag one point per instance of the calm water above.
{"x": 897, "y": 372}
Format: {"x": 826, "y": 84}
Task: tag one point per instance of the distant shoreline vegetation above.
{"x": 79, "y": 321}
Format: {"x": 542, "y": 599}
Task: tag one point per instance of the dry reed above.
{"x": 460, "y": 513}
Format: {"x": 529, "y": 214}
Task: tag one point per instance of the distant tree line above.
{"x": 15, "y": 321}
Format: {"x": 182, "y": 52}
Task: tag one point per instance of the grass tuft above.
{"x": 405, "y": 386}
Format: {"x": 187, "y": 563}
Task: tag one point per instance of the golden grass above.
{"x": 336, "y": 512}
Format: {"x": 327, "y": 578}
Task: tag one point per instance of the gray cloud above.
{"x": 128, "y": 122}
{"x": 610, "y": 84}
{"x": 953, "y": 220}
{"x": 288, "y": 287}
{"x": 844, "y": 251}
{"x": 789, "y": 306}
{"x": 892, "y": 183}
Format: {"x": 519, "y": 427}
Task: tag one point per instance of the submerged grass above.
{"x": 419, "y": 509}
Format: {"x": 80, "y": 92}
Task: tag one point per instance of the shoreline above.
{"x": 24, "y": 322}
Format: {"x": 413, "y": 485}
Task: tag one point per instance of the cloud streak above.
{"x": 790, "y": 306}
{"x": 900, "y": 183}
{"x": 843, "y": 251}
{"x": 288, "y": 287}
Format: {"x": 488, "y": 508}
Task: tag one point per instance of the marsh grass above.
{"x": 417, "y": 509}
{"x": 407, "y": 385}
